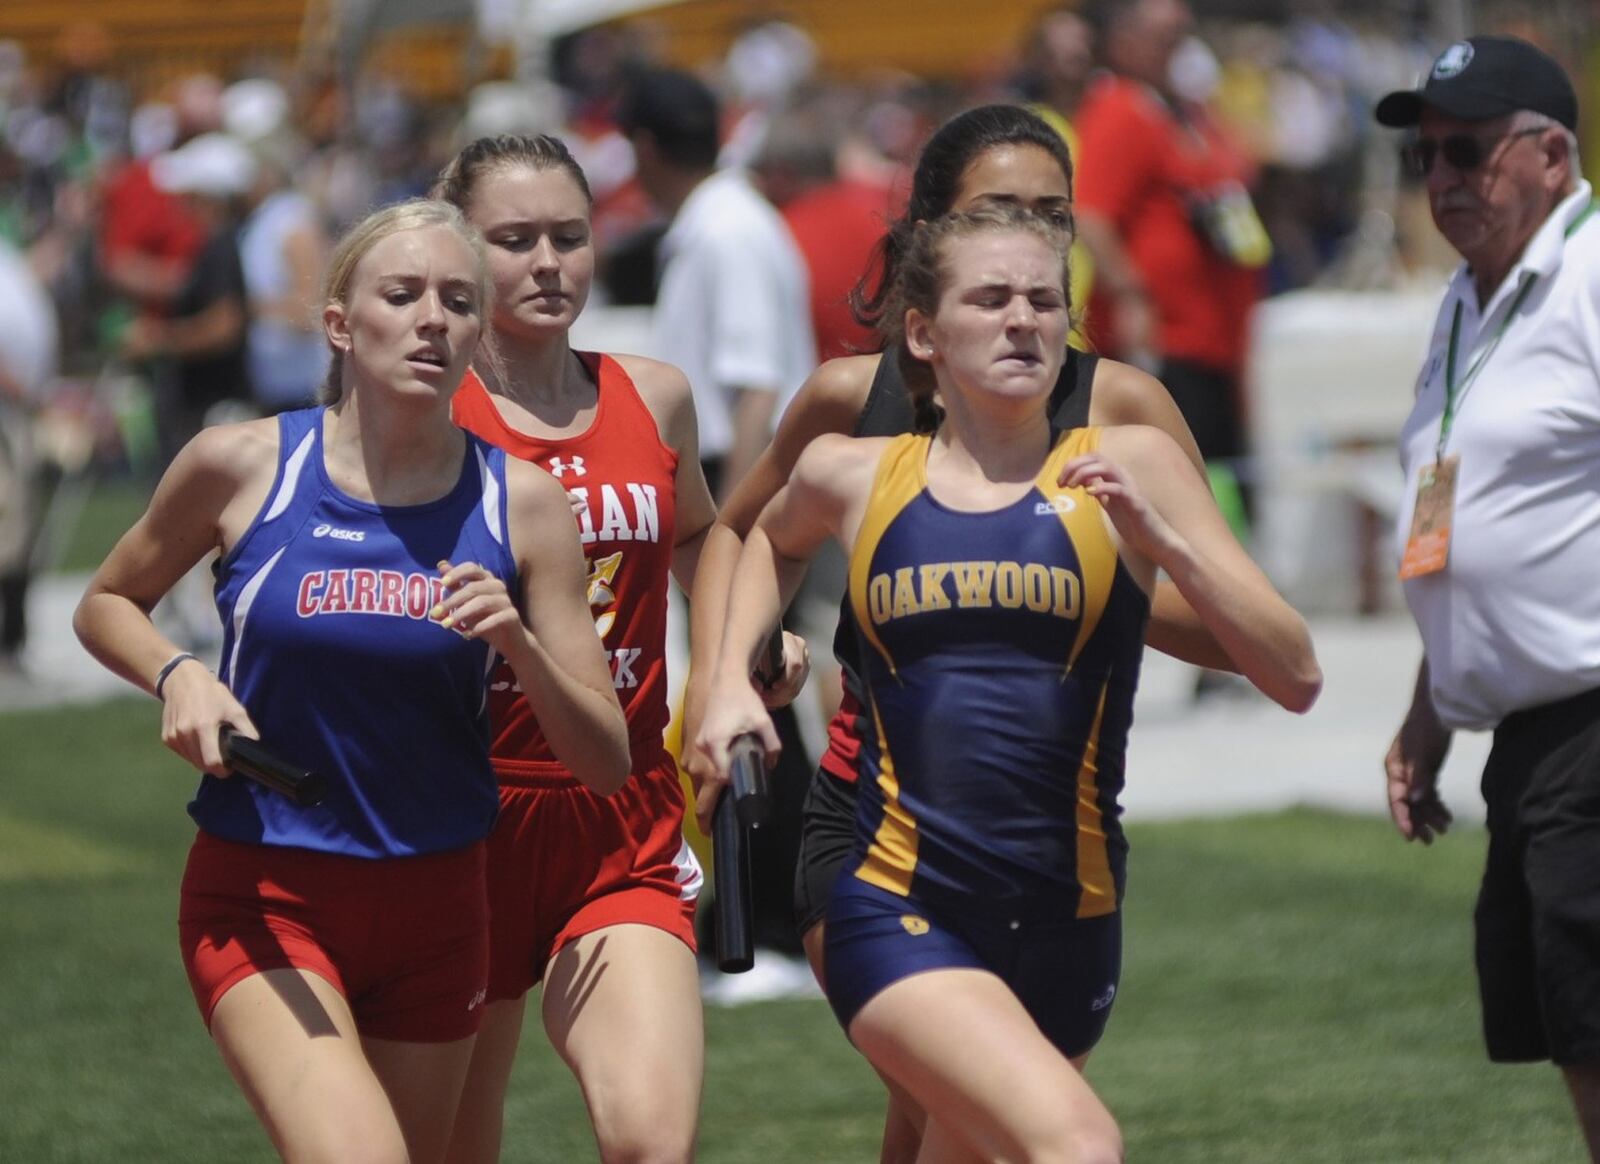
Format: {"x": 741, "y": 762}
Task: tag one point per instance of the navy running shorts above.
{"x": 1064, "y": 972}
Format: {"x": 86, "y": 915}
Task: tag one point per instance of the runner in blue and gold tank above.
{"x": 998, "y": 578}
{"x": 1000, "y": 680}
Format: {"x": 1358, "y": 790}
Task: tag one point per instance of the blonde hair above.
{"x": 416, "y": 214}
{"x": 924, "y": 276}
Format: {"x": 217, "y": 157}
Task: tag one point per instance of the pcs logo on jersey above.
{"x": 914, "y": 925}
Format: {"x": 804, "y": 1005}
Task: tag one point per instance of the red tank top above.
{"x": 625, "y": 475}
{"x": 844, "y": 739}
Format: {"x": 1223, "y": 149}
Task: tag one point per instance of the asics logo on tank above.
{"x": 339, "y": 535}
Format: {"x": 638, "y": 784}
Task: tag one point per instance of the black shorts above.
{"x": 1209, "y": 401}
{"x": 1538, "y": 914}
{"x": 827, "y": 838}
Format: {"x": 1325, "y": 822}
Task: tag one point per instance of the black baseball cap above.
{"x": 1484, "y": 77}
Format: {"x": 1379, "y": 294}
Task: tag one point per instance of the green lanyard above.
{"x": 1454, "y": 392}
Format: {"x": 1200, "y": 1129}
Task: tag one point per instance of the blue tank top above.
{"x": 329, "y": 644}
{"x": 1000, "y": 652}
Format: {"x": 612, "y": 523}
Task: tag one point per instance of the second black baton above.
{"x": 730, "y": 872}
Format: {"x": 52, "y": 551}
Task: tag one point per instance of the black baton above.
{"x": 249, "y": 758}
{"x": 730, "y": 862}
{"x": 745, "y": 804}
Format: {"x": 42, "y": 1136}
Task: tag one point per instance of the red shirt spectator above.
{"x": 1167, "y": 179}
{"x": 836, "y": 225}
{"x": 148, "y": 238}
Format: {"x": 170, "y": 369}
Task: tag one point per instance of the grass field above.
{"x": 1297, "y": 990}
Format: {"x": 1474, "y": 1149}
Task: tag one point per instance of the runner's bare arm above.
{"x": 1125, "y": 395}
{"x": 204, "y": 501}
{"x": 1165, "y": 515}
{"x": 830, "y": 401}
{"x": 559, "y": 662}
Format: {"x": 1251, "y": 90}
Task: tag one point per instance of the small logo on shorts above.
{"x": 1057, "y": 504}
{"x": 478, "y": 1000}
{"x": 1105, "y": 999}
{"x": 914, "y": 925}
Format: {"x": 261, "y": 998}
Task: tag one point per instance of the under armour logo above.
{"x": 558, "y": 466}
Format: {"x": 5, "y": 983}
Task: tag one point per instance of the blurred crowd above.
{"x": 161, "y": 252}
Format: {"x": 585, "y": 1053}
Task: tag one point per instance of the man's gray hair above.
{"x": 1528, "y": 119}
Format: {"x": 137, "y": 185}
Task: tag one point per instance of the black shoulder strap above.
{"x": 1069, "y": 403}
{"x": 888, "y": 410}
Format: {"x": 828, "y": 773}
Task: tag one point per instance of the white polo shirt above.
{"x": 1513, "y": 620}
{"x": 734, "y": 308}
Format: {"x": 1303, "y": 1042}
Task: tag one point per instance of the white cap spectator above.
{"x": 766, "y": 64}
{"x": 213, "y": 163}
{"x": 254, "y": 108}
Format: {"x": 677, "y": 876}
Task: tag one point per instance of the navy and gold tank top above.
{"x": 888, "y": 412}
{"x": 1000, "y": 652}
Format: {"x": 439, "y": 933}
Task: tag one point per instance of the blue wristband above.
{"x": 161, "y": 675}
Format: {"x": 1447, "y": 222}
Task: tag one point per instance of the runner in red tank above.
{"x": 621, "y": 476}
{"x": 594, "y": 896}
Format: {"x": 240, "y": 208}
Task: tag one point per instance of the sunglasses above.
{"x": 1464, "y": 151}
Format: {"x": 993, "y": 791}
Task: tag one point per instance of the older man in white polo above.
{"x": 1500, "y": 538}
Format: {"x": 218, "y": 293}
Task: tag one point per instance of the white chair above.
{"x": 1331, "y": 376}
